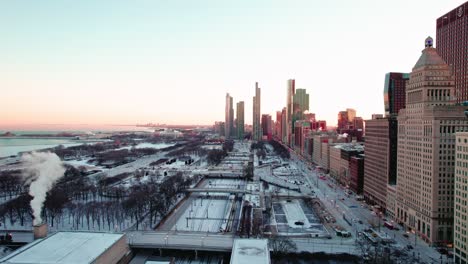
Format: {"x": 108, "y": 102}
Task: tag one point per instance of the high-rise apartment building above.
{"x": 395, "y": 92}
{"x": 229, "y": 117}
{"x": 240, "y": 120}
{"x": 452, "y": 43}
{"x": 256, "y": 128}
{"x": 291, "y": 90}
{"x": 461, "y": 199}
{"x": 426, "y": 149}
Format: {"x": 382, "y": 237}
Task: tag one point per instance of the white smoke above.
{"x": 42, "y": 170}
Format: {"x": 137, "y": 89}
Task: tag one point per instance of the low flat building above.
{"x": 250, "y": 251}
{"x": 73, "y": 247}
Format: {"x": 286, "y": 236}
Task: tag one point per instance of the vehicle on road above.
{"x": 409, "y": 247}
{"x": 388, "y": 225}
{"x": 406, "y": 235}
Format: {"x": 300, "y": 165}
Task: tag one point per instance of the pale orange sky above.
{"x": 111, "y": 62}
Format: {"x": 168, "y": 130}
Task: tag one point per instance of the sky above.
{"x": 169, "y": 61}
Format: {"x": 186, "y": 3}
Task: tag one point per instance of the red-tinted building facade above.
{"x": 452, "y": 43}
{"x": 395, "y": 92}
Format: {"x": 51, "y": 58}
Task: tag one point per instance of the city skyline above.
{"x": 118, "y": 63}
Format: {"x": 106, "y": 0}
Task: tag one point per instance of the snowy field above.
{"x": 204, "y": 214}
{"x": 207, "y": 214}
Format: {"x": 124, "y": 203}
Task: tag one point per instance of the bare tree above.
{"x": 281, "y": 246}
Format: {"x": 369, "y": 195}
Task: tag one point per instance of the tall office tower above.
{"x": 395, "y": 92}
{"x": 426, "y": 144}
{"x": 266, "y": 125}
{"x": 300, "y": 104}
{"x": 240, "y": 120}
{"x": 256, "y": 129}
{"x": 380, "y": 159}
{"x": 452, "y": 40}
{"x": 278, "y": 125}
{"x": 229, "y": 117}
{"x": 461, "y": 198}
{"x": 342, "y": 121}
{"x": 351, "y": 114}
{"x": 284, "y": 125}
{"x": 291, "y": 90}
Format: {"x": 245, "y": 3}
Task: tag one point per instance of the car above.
{"x": 405, "y": 235}
{"x": 396, "y": 228}
{"x": 360, "y": 222}
{"x": 409, "y": 247}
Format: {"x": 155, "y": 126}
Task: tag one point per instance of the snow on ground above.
{"x": 149, "y": 145}
{"x": 249, "y": 251}
{"x": 294, "y": 214}
{"x": 204, "y": 209}
{"x": 288, "y": 214}
{"x": 84, "y": 163}
{"x": 212, "y": 146}
{"x": 4, "y": 251}
{"x": 65, "y": 247}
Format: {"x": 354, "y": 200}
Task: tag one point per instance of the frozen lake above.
{"x": 13, "y": 146}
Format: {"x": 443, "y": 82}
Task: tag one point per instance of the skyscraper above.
{"x": 461, "y": 198}
{"x": 240, "y": 120}
{"x": 426, "y": 144}
{"x": 229, "y": 117}
{"x": 278, "y": 125}
{"x": 256, "y": 129}
{"x": 395, "y": 92}
{"x": 284, "y": 125}
{"x": 266, "y": 125}
{"x": 452, "y": 40}
{"x": 380, "y": 159}
{"x": 291, "y": 90}
{"x": 301, "y": 104}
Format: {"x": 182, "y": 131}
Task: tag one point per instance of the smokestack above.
{"x": 40, "y": 231}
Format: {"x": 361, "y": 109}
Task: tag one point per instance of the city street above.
{"x": 337, "y": 202}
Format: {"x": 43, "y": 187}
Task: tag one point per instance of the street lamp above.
{"x": 202, "y": 240}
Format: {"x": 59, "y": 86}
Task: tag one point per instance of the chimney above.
{"x": 40, "y": 231}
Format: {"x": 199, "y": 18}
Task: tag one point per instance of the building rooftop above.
{"x": 64, "y": 247}
{"x": 249, "y": 251}
{"x": 350, "y": 146}
{"x": 429, "y": 56}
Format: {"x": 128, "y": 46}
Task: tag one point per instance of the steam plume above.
{"x": 42, "y": 170}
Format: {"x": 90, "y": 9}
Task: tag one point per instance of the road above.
{"x": 334, "y": 197}
{"x": 181, "y": 240}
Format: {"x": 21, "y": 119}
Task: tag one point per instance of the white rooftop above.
{"x": 250, "y": 251}
{"x": 64, "y": 247}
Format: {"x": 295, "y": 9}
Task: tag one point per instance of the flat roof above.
{"x": 64, "y": 247}
{"x": 249, "y": 251}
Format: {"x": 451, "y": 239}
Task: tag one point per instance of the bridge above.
{"x": 181, "y": 240}
{"x": 218, "y": 190}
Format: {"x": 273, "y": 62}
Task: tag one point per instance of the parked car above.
{"x": 409, "y": 246}
{"x": 405, "y": 235}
